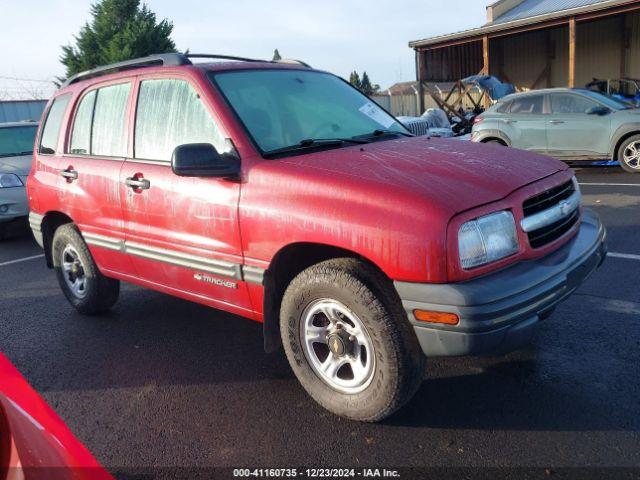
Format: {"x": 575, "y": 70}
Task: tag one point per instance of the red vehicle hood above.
{"x": 455, "y": 174}
{"x": 35, "y": 443}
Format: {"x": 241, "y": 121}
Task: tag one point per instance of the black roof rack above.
{"x": 164, "y": 59}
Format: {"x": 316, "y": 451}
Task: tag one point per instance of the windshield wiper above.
{"x": 379, "y": 132}
{"x": 308, "y": 143}
{"x": 16, "y": 154}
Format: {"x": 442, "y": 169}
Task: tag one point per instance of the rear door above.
{"x": 182, "y": 232}
{"x": 90, "y": 171}
{"x": 572, "y": 132}
{"x": 525, "y": 123}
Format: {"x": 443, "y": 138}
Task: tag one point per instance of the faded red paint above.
{"x": 397, "y": 203}
{"x": 35, "y": 439}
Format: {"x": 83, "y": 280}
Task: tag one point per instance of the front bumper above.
{"x": 499, "y": 312}
{"x": 13, "y": 204}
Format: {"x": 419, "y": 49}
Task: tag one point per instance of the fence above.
{"x": 409, "y": 105}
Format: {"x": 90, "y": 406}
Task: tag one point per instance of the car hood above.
{"x": 19, "y": 165}
{"x": 455, "y": 174}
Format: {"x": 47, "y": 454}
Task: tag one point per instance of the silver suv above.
{"x": 569, "y": 124}
{"x": 16, "y": 148}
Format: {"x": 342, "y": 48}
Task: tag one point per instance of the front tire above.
{"x": 348, "y": 340}
{"x": 629, "y": 154}
{"x": 86, "y": 289}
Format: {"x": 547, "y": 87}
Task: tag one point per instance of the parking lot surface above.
{"x": 160, "y": 382}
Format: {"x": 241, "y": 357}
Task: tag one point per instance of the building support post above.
{"x": 420, "y": 79}
{"x": 572, "y": 53}
{"x": 486, "y": 101}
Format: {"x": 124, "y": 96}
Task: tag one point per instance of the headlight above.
{"x": 487, "y": 239}
{"x": 8, "y": 180}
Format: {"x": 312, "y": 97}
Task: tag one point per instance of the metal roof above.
{"x": 501, "y": 24}
{"x": 532, "y": 8}
{"x": 20, "y": 110}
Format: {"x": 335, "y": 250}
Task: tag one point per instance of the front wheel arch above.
{"x": 286, "y": 264}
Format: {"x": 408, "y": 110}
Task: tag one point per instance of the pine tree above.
{"x": 354, "y": 79}
{"x": 365, "y": 84}
{"x": 276, "y": 55}
{"x": 119, "y": 30}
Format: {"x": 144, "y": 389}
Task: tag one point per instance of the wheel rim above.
{"x": 337, "y": 346}
{"x": 73, "y": 272}
{"x": 631, "y": 155}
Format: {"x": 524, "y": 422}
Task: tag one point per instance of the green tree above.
{"x": 119, "y": 30}
{"x": 276, "y": 55}
{"x": 366, "y": 86}
{"x": 354, "y": 79}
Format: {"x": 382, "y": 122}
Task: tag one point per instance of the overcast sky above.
{"x": 335, "y": 35}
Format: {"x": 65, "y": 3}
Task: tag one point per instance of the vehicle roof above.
{"x": 25, "y": 123}
{"x": 542, "y": 91}
{"x": 217, "y": 66}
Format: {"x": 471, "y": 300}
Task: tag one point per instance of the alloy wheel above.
{"x": 337, "y": 346}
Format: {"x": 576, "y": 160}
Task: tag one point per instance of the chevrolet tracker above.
{"x": 282, "y": 194}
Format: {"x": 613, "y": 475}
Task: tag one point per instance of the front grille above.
{"x": 542, "y": 236}
{"x": 544, "y": 201}
{"x": 548, "y": 199}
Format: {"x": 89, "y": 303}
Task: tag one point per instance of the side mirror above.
{"x": 203, "y": 160}
{"x": 598, "y": 110}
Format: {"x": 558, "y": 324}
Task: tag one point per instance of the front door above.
{"x": 181, "y": 232}
{"x": 572, "y": 132}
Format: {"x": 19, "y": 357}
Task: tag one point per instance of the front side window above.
{"x": 16, "y": 141}
{"x": 530, "y": 104}
{"x": 281, "y": 108}
{"x": 81, "y": 135}
{"x": 170, "y": 113}
{"x": 108, "y": 134}
{"x": 566, "y": 103}
{"x": 51, "y": 128}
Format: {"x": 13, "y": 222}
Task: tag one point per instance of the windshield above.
{"x": 282, "y": 108}
{"x": 17, "y": 140}
{"x": 611, "y": 102}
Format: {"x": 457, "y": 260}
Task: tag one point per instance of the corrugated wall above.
{"x": 633, "y": 54}
{"x": 599, "y": 49}
{"x": 17, "y": 111}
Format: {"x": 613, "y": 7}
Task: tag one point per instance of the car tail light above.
{"x": 478, "y": 120}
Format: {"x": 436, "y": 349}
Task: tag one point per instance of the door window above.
{"x": 566, "y": 103}
{"x": 51, "y": 129}
{"x": 531, "y": 104}
{"x": 170, "y": 113}
{"x": 81, "y": 135}
{"x": 108, "y": 135}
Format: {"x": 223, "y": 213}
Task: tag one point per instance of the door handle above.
{"x": 138, "y": 183}
{"x": 508, "y": 120}
{"x": 70, "y": 174}
{"x": 556, "y": 122}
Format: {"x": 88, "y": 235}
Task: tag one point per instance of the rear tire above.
{"x": 629, "y": 154}
{"x": 495, "y": 142}
{"x": 369, "y": 336}
{"x": 86, "y": 289}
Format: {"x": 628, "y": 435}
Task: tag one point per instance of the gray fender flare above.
{"x": 484, "y": 134}
{"x": 619, "y": 134}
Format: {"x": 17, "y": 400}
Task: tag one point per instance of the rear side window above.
{"x": 567, "y": 103}
{"x": 531, "y": 104}
{"x": 51, "y": 128}
{"x": 169, "y": 114}
{"x": 108, "y": 135}
{"x": 81, "y": 135}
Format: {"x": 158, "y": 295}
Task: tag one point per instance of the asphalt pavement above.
{"x": 161, "y": 382}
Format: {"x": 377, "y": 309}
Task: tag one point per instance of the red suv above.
{"x": 282, "y": 194}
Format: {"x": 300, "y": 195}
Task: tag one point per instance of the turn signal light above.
{"x": 436, "y": 317}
